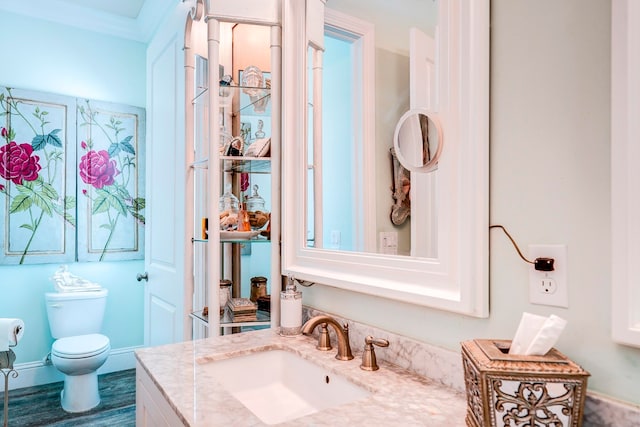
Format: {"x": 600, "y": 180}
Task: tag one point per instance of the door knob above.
{"x": 143, "y": 276}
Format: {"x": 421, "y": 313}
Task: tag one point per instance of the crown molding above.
{"x": 140, "y": 29}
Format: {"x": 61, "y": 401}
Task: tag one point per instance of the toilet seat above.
{"x": 80, "y": 346}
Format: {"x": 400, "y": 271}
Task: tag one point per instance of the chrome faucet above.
{"x": 342, "y": 333}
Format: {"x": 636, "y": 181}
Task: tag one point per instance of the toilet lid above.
{"x": 80, "y": 346}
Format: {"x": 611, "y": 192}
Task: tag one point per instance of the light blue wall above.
{"x": 42, "y": 56}
{"x": 338, "y": 151}
{"x": 22, "y": 290}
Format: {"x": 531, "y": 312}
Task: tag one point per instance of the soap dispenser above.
{"x": 290, "y": 310}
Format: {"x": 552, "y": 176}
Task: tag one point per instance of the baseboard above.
{"x": 38, "y": 373}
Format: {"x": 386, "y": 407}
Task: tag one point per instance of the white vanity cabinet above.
{"x": 234, "y": 99}
{"x": 152, "y": 409}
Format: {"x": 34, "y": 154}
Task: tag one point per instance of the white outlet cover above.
{"x": 389, "y": 242}
{"x": 537, "y": 294}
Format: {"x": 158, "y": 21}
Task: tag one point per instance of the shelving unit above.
{"x": 253, "y": 113}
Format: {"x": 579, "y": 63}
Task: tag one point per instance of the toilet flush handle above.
{"x": 143, "y": 276}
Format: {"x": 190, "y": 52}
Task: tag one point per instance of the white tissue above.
{"x": 536, "y": 335}
{"x": 11, "y": 331}
{"x": 67, "y": 282}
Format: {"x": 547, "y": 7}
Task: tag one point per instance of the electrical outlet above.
{"x": 549, "y": 287}
{"x": 336, "y": 238}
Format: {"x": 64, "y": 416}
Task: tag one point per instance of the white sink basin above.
{"x": 279, "y": 386}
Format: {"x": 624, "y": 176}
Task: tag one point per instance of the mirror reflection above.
{"x": 418, "y": 141}
{"x": 352, "y": 184}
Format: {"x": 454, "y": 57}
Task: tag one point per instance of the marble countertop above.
{"x": 398, "y": 397}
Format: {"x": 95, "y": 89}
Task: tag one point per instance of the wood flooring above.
{"x": 40, "y": 405}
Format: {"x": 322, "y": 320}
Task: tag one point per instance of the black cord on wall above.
{"x": 541, "y": 264}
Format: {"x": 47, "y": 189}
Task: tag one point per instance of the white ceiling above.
{"x": 130, "y": 19}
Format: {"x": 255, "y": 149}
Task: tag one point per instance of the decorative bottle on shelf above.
{"x": 260, "y": 132}
{"x": 243, "y": 218}
{"x": 228, "y": 205}
{"x": 258, "y": 288}
{"x": 258, "y": 214}
{"x": 290, "y": 310}
{"x": 224, "y": 294}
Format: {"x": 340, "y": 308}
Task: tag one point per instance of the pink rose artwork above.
{"x": 108, "y": 168}
{"x": 97, "y": 168}
{"x": 18, "y": 163}
{"x": 30, "y": 172}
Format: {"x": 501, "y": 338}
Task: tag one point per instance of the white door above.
{"x": 164, "y": 306}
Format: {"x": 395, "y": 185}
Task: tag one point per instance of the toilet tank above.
{"x": 75, "y": 313}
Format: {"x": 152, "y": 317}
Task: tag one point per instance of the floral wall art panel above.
{"x": 37, "y": 156}
{"x": 110, "y": 165}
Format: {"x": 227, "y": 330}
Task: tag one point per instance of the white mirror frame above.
{"x": 457, "y": 280}
{"x": 625, "y": 174}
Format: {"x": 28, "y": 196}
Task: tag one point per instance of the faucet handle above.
{"x": 369, "y": 362}
{"x": 380, "y": 342}
{"x": 324, "y": 341}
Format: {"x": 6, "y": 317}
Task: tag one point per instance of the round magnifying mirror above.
{"x": 418, "y": 140}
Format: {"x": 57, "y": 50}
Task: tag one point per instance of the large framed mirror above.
{"x": 368, "y": 65}
{"x": 625, "y": 175}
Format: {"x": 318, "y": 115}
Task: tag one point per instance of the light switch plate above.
{"x": 389, "y": 242}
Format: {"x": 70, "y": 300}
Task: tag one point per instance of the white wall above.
{"x": 550, "y": 178}
{"x": 392, "y": 101}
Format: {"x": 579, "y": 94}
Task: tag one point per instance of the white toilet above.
{"x": 75, "y": 320}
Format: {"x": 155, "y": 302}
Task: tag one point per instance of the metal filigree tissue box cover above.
{"x": 515, "y": 390}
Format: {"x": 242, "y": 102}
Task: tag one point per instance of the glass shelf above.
{"x": 257, "y": 239}
{"x": 246, "y": 164}
{"x": 263, "y": 318}
{"x": 257, "y": 105}
{"x": 200, "y": 164}
{"x": 202, "y": 95}
{"x": 239, "y": 164}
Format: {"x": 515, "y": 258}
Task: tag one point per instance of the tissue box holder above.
{"x": 516, "y": 390}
